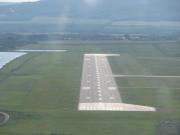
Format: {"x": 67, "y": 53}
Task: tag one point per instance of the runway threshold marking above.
{"x": 103, "y": 93}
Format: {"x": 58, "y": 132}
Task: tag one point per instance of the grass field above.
{"x": 40, "y": 91}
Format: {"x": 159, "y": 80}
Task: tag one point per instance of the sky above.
{"x": 17, "y": 1}
{"x": 92, "y": 2}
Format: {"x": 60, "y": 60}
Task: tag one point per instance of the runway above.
{"x": 96, "y": 85}
{"x": 99, "y": 90}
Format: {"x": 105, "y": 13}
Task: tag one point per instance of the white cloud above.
{"x": 17, "y": 1}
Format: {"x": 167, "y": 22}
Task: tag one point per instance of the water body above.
{"x": 6, "y": 57}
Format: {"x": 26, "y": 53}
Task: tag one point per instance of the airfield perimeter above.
{"x": 40, "y": 91}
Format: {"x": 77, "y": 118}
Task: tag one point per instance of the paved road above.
{"x": 145, "y": 76}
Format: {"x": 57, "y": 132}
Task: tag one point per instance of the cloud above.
{"x": 17, "y": 1}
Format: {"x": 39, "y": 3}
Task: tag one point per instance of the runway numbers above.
{"x": 112, "y": 88}
{"x": 111, "y": 98}
{"x": 88, "y": 97}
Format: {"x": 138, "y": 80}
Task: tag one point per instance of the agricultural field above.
{"x": 40, "y": 91}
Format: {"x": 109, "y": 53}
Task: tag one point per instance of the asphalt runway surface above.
{"x": 97, "y": 85}
{"x": 99, "y": 91}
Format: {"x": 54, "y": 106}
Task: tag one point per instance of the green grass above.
{"x": 41, "y": 91}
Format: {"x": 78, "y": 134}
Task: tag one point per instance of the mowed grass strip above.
{"x": 49, "y": 84}
{"x": 45, "y": 90}
{"x": 44, "y": 82}
{"x": 161, "y": 93}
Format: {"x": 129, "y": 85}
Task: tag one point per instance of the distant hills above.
{"x": 91, "y": 16}
{"x": 143, "y": 10}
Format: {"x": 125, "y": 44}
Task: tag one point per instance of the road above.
{"x": 145, "y": 76}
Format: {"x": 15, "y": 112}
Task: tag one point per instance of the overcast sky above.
{"x": 18, "y": 1}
